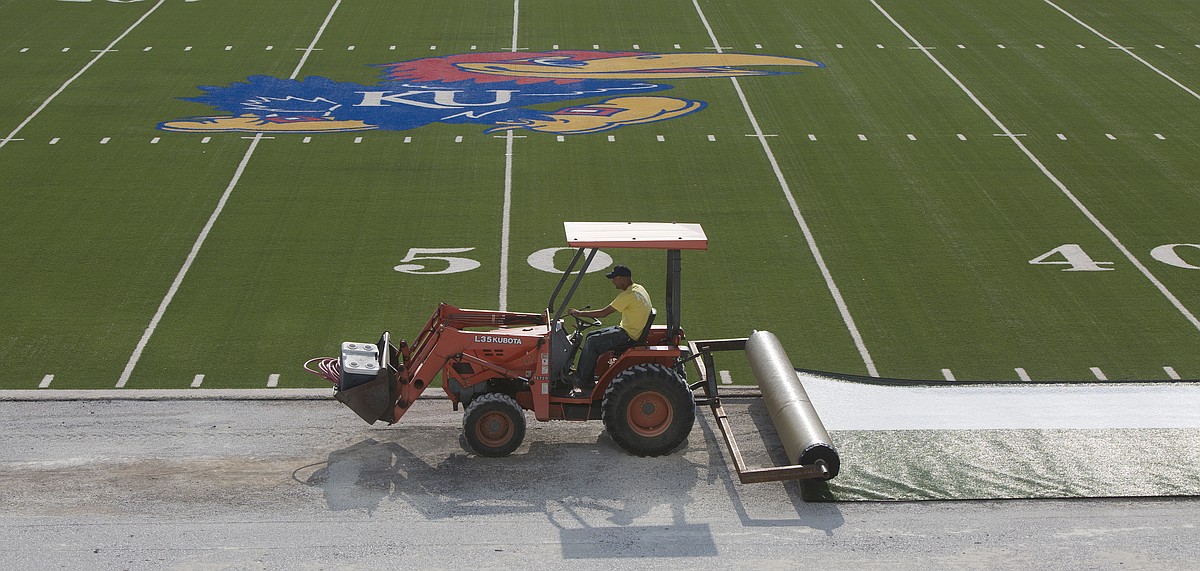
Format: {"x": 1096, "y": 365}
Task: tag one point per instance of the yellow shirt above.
{"x": 634, "y": 305}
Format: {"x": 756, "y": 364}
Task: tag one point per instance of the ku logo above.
{"x": 503, "y": 90}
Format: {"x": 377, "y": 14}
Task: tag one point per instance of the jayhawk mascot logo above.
{"x": 503, "y": 90}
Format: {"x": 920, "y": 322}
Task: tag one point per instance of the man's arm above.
{"x": 595, "y": 313}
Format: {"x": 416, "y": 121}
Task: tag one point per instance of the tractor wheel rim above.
{"x": 650, "y": 414}
{"x": 494, "y": 429}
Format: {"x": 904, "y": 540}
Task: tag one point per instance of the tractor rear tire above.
{"x": 648, "y": 410}
{"x": 494, "y": 425}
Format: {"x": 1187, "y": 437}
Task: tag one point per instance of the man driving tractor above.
{"x": 633, "y": 303}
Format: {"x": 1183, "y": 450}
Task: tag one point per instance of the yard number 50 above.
{"x": 434, "y": 261}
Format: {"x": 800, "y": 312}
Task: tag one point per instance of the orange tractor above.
{"x": 499, "y": 364}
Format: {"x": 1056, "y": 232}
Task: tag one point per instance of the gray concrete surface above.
{"x": 304, "y": 484}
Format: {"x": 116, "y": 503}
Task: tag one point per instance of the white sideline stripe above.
{"x": 947, "y": 374}
{"x": 273, "y": 380}
{"x": 506, "y": 211}
{"x": 1099, "y": 374}
{"x": 846, "y": 405}
{"x": 1124, "y": 49}
{"x": 46, "y": 380}
{"x": 787, "y": 192}
{"x": 212, "y": 220}
{"x": 726, "y": 378}
{"x": 1021, "y": 374}
{"x": 78, "y": 74}
{"x": 1171, "y": 373}
{"x": 1054, "y": 179}
{"x": 196, "y": 382}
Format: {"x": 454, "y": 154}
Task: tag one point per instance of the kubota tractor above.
{"x": 499, "y": 364}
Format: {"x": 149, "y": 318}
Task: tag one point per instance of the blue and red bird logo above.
{"x": 502, "y": 90}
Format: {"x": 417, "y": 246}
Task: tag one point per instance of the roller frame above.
{"x": 702, "y": 351}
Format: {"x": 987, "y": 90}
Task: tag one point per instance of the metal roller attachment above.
{"x": 804, "y": 437}
{"x": 800, "y": 429}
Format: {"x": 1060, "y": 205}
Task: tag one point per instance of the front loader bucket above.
{"x": 372, "y": 401}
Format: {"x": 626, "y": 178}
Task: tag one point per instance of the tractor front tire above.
{"x": 494, "y": 425}
{"x": 648, "y": 410}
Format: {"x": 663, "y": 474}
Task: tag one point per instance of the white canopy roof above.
{"x": 647, "y": 235}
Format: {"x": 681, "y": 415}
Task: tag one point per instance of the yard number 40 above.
{"x": 1079, "y": 261}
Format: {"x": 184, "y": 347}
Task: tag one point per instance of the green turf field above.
{"x": 989, "y": 189}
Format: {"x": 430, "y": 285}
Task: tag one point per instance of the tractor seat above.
{"x": 641, "y": 340}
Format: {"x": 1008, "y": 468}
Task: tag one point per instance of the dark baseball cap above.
{"x": 619, "y": 271}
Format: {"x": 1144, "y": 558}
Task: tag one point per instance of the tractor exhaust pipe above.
{"x": 800, "y": 429}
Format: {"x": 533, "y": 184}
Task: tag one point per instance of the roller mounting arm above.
{"x": 818, "y": 460}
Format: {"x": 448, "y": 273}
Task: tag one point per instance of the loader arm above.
{"x": 441, "y": 341}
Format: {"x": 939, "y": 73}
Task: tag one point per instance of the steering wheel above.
{"x": 582, "y": 323}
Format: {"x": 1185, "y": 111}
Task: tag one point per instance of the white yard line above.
{"x": 1187, "y": 314}
{"x": 308, "y": 51}
{"x": 212, "y": 220}
{"x": 64, "y": 86}
{"x": 187, "y": 265}
{"x": 808, "y": 235}
{"x": 506, "y": 214}
{"x": 1124, "y": 49}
